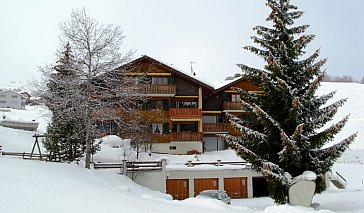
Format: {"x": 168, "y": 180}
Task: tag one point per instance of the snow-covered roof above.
{"x": 219, "y": 84}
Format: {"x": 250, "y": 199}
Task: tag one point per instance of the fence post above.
{"x": 125, "y": 168}
{"x": 164, "y": 164}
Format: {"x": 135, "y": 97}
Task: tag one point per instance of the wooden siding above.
{"x": 185, "y": 113}
{"x": 185, "y": 87}
{"x": 201, "y": 184}
{"x": 212, "y": 103}
{"x": 186, "y": 136}
{"x": 236, "y": 187}
{"x": 178, "y": 188}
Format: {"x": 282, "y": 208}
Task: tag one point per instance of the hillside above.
{"x": 34, "y": 186}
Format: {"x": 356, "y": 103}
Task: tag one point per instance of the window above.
{"x": 14, "y": 96}
{"x": 157, "y": 128}
{"x": 159, "y": 81}
{"x": 157, "y": 104}
{"x": 2, "y": 96}
{"x": 188, "y": 127}
{"x": 184, "y": 104}
{"x": 172, "y": 147}
{"x": 2, "y": 102}
{"x": 235, "y": 97}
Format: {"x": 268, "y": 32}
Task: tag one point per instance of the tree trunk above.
{"x": 88, "y": 140}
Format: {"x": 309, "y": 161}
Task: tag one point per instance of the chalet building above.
{"x": 185, "y": 113}
{"x": 13, "y": 100}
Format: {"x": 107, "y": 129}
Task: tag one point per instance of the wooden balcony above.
{"x": 185, "y": 136}
{"x": 165, "y": 90}
{"x": 232, "y": 105}
{"x": 161, "y": 138}
{"x": 217, "y": 127}
{"x": 185, "y": 113}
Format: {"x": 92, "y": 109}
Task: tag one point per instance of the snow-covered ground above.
{"x": 34, "y": 186}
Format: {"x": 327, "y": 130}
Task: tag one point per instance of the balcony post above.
{"x": 200, "y": 127}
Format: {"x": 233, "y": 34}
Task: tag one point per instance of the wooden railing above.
{"x": 217, "y": 127}
{"x": 186, "y": 136}
{"x": 185, "y": 113}
{"x": 131, "y": 166}
{"x": 161, "y": 138}
{"x": 232, "y": 105}
{"x": 158, "y": 89}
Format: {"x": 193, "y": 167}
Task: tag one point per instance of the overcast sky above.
{"x": 208, "y": 32}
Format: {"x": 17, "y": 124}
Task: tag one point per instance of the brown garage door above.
{"x": 205, "y": 183}
{"x": 178, "y": 188}
{"x": 236, "y": 187}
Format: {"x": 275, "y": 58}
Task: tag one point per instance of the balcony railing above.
{"x": 158, "y": 89}
{"x": 232, "y": 105}
{"x": 185, "y": 113}
{"x": 161, "y": 138}
{"x": 217, "y": 127}
{"x": 186, "y": 136}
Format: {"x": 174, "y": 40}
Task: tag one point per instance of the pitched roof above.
{"x": 170, "y": 68}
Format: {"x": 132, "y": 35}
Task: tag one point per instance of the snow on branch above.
{"x": 257, "y": 51}
{"x": 244, "y": 93}
{"x": 284, "y": 86}
{"x": 334, "y": 151}
{"x": 329, "y": 111}
{"x": 261, "y": 114}
{"x": 324, "y": 98}
{"x": 275, "y": 172}
{"x": 251, "y": 71}
{"x": 319, "y": 139}
{"x": 246, "y": 132}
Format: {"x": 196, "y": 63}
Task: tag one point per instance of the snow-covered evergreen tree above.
{"x": 287, "y": 137}
{"x": 67, "y": 128}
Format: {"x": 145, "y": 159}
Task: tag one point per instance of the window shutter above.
{"x": 165, "y": 128}
{"x": 165, "y": 104}
{"x": 170, "y": 80}
{"x": 148, "y": 104}
{"x": 224, "y": 97}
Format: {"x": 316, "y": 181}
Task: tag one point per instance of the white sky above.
{"x": 209, "y": 32}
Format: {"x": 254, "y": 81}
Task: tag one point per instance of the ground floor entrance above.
{"x": 178, "y": 188}
{"x": 236, "y": 187}
{"x": 201, "y": 184}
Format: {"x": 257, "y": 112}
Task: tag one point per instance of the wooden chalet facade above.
{"x": 184, "y": 113}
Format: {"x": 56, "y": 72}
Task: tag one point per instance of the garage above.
{"x": 178, "y": 188}
{"x": 213, "y": 144}
{"x": 201, "y": 184}
{"x": 260, "y": 187}
{"x": 236, "y": 187}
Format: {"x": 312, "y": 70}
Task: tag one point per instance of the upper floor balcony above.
{"x": 185, "y": 136}
{"x": 158, "y": 90}
{"x": 216, "y": 127}
{"x": 232, "y": 106}
{"x": 185, "y": 113}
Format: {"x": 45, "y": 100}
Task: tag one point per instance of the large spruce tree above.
{"x": 67, "y": 129}
{"x": 287, "y": 137}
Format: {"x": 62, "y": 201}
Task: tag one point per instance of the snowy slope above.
{"x": 33, "y": 186}
{"x": 354, "y": 93}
